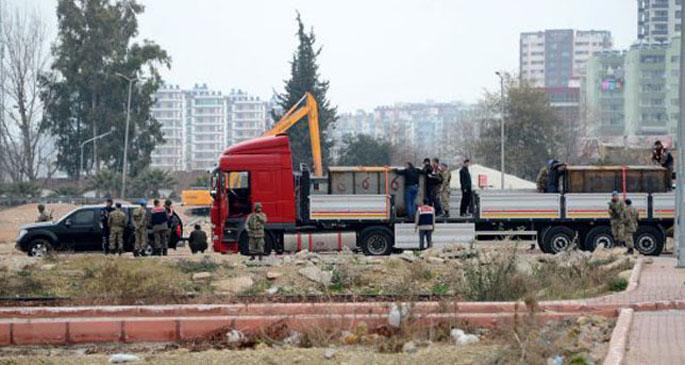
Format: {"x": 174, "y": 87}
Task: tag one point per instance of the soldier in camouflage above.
{"x": 541, "y": 180}
{"x": 117, "y": 224}
{"x": 630, "y": 218}
{"x": 255, "y": 231}
{"x": 616, "y": 216}
{"x": 445, "y": 189}
{"x": 140, "y": 222}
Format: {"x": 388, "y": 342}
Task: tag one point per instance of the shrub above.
{"x": 496, "y": 280}
{"x": 120, "y": 281}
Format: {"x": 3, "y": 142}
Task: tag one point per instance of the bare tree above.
{"x": 23, "y": 137}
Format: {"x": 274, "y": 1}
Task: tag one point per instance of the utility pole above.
{"x": 83, "y": 144}
{"x": 501, "y": 140}
{"x": 124, "y": 168}
{"x": 680, "y": 162}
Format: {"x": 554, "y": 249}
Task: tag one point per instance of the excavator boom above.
{"x": 295, "y": 114}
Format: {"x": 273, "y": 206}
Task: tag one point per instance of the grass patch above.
{"x": 207, "y": 264}
{"x": 618, "y": 284}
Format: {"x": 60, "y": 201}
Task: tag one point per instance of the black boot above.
{"x": 251, "y": 257}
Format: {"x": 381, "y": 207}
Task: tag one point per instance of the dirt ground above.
{"x": 436, "y": 354}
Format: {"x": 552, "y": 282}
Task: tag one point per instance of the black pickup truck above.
{"x": 80, "y": 230}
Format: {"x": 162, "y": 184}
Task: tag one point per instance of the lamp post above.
{"x": 84, "y": 143}
{"x": 501, "y": 136}
{"x": 130, "y": 80}
{"x": 680, "y": 161}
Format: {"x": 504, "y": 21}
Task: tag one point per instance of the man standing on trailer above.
{"x": 662, "y": 157}
{"x": 425, "y": 224}
{"x": 631, "y": 217}
{"x": 411, "y": 188}
{"x": 466, "y": 192}
{"x": 617, "y": 213}
{"x": 255, "y": 231}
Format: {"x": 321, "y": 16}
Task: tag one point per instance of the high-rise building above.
{"x": 645, "y": 94}
{"x": 208, "y": 124}
{"x": 198, "y": 124}
{"x": 556, "y": 58}
{"x": 602, "y": 94}
{"x": 169, "y": 111}
{"x": 247, "y": 116}
{"x": 658, "y": 21}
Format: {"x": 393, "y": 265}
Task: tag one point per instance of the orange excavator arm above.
{"x": 305, "y": 107}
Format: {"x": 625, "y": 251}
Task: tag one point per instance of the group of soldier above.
{"x": 623, "y": 217}
{"x": 114, "y": 220}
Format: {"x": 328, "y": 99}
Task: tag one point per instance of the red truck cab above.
{"x": 257, "y": 170}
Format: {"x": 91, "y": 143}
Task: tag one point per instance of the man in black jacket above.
{"x": 411, "y": 188}
{"x": 466, "y": 192}
{"x": 433, "y": 184}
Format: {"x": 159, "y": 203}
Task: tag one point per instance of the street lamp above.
{"x": 501, "y": 137}
{"x": 679, "y": 231}
{"x": 84, "y": 143}
{"x": 130, "y": 80}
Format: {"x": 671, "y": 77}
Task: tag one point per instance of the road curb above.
{"x": 619, "y": 338}
{"x": 634, "y": 280}
{"x": 70, "y": 331}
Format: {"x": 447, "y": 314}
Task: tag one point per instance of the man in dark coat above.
{"x": 466, "y": 190}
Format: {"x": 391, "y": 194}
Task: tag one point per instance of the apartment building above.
{"x": 170, "y": 111}
{"x": 198, "y": 124}
{"x": 658, "y": 21}
{"x": 247, "y": 116}
{"x": 556, "y": 58}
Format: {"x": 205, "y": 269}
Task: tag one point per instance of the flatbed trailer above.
{"x": 362, "y": 208}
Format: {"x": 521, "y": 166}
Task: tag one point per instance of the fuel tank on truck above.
{"x": 319, "y": 242}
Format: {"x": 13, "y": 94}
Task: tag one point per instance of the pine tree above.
{"x": 304, "y": 77}
{"x": 84, "y": 96}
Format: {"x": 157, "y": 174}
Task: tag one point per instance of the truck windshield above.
{"x": 238, "y": 192}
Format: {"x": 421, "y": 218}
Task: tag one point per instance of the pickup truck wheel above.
{"x": 649, "y": 240}
{"x": 40, "y": 248}
{"x": 148, "y": 250}
{"x": 376, "y": 241}
{"x": 600, "y": 235}
{"x": 558, "y": 239}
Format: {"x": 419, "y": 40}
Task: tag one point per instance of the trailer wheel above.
{"x": 649, "y": 240}
{"x": 541, "y": 234}
{"x": 600, "y": 235}
{"x": 557, "y": 239}
{"x": 376, "y": 241}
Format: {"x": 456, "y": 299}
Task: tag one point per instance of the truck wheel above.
{"x": 600, "y": 235}
{"x": 39, "y": 248}
{"x": 376, "y": 241}
{"x": 557, "y": 239}
{"x": 649, "y": 240}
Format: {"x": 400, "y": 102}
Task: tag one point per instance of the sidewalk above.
{"x": 655, "y": 337}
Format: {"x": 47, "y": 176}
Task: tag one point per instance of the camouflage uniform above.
{"x": 140, "y": 221}
{"x": 616, "y": 216}
{"x": 445, "y": 191}
{"x": 630, "y": 218}
{"x": 541, "y": 180}
{"x": 255, "y": 231}
{"x": 117, "y": 224}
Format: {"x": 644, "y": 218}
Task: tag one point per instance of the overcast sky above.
{"x": 375, "y": 52}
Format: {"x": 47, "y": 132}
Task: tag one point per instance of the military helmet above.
{"x": 257, "y": 206}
